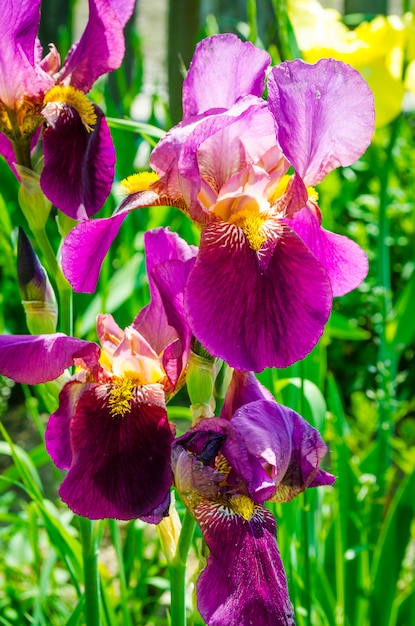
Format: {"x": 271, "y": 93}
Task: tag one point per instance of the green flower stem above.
{"x": 177, "y": 569}
{"x": 91, "y": 578}
{"x": 384, "y": 283}
{"x": 55, "y": 271}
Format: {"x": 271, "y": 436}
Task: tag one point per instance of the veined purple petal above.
{"x": 33, "y": 359}
{"x": 244, "y": 581}
{"x": 272, "y": 317}
{"x": 87, "y": 160}
{"x": 57, "y": 435}
{"x": 101, "y": 47}
{"x": 18, "y": 74}
{"x": 121, "y": 464}
{"x": 223, "y": 70}
{"x": 94, "y": 238}
{"x": 345, "y": 262}
{"x": 324, "y": 112}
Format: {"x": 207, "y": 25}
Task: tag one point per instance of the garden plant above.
{"x": 207, "y": 323}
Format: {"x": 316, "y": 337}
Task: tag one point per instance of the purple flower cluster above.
{"x": 256, "y": 293}
{"x": 243, "y": 169}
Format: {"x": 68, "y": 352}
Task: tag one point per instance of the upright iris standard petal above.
{"x": 19, "y": 76}
{"x": 223, "y": 70}
{"x": 164, "y": 249}
{"x": 120, "y": 466}
{"x": 324, "y": 113}
{"x": 101, "y": 46}
{"x": 87, "y": 158}
{"x": 244, "y": 581}
{"x": 33, "y": 359}
{"x": 271, "y": 317}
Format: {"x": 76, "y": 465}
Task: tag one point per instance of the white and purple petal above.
{"x": 79, "y": 164}
{"x": 272, "y": 317}
{"x": 121, "y": 464}
{"x": 33, "y": 359}
{"x": 244, "y": 581}
{"x": 324, "y": 113}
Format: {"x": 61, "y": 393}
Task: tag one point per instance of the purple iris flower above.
{"x": 111, "y": 430}
{"x": 243, "y": 169}
{"x": 79, "y": 156}
{"x": 225, "y": 469}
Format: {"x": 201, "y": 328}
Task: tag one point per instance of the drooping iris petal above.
{"x": 101, "y": 47}
{"x": 223, "y": 70}
{"x": 57, "y": 435}
{"x": 244, "y": 581}
{"x": 121, "y": 464}
{"x": 18, "y": 74}
{"x": 324, "y": 112}
{"x": 94, "y": 238}
{"x": 33, "y": 359}
{"x": 87, "y": 159}
{"x": 345, "y": 262}
{"x": 256, "y": 310}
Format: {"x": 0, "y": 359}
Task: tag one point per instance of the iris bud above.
{"x": 38, "y": 297}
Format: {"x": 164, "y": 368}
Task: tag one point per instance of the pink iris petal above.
{"x": 271, "y": 318}
{"x": 324, "y": 112}
{"x": 244, "y": 581}
{"x": 230, "y": 150}
{"x": 86, "y": 158}
{"x": 18, "y": 75}
{"x": 94, "y": 238}
{"x": 345, "y": 262}
{"x": 32, "y": 359}
{"x": 101, "y": 47}
{"x": 223, "y": 70}
{"x": 121, "y": 464}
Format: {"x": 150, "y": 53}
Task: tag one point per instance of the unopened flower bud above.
{"x": 200, "y": 378}
{"x": 38, "y": 297}
{"x": 33, "y": 202}
{"x": 169, "y": 532}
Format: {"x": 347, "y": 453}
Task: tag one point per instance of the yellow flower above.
{"x": 377, "y": 49}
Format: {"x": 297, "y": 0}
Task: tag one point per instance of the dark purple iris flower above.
{"x": 111, "y": 429}
{"x": 79, "y": 156}
{"x": 262, "y": 286}
{"x": 225, "y": 469}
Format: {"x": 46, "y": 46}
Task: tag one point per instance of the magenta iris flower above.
{"x": 243, "y": 169}
{"x": 225, "y": 469}
{"x": 38, "y": 98}
{"x": 111, "y": 430}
